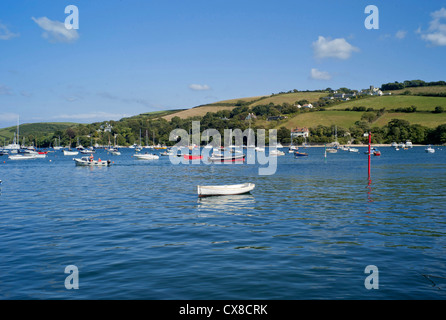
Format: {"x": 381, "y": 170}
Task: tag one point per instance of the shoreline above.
{"x": 356, "y": 145}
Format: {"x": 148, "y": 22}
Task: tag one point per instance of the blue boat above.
{"x": 300, "y": 154}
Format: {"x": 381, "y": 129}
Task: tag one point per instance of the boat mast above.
{"x": 18, "y": 140}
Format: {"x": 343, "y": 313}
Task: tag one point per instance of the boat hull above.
{"x": 146, "y": 156}
{"x": 300, "y": 154}
{"x": 237, "y": 158}
{"x": 192, "y": 157}
{"x": 93, "y": 163}
{"x": 22, "y": 157}
{"x": 70, "y": 153}
{"x": 225, "y": 190}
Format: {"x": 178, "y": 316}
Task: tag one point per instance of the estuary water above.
{"x": 137, "y": 230}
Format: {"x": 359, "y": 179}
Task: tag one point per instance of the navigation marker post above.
{"x": 370, "y": 142}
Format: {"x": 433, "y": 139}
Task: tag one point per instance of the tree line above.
{"x": 410, "y": 84}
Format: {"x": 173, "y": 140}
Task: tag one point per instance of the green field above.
{"x": 394, "y": 102}
{"x": 346, "y": 119}
{"x": 290, "y": 98}
{"x": 234, "y": 101}
{"x": 343, "y": 119}
{"x": 277, "y": 99}
{"x": 430, "y": 120}
{"x": 424, "y": 90}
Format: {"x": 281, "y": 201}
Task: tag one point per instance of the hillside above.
{"x": 34, "y": 129}
{"x": 340, "y": 113}
{"x": 422, "y": 90}
{"x": 276, "y": 99}
{"x": 418, "y": 112}
{"x": 422, "y": 103}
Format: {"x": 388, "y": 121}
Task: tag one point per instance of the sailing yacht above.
{"x": 15, "y": 146}
{"x": 57, "y": 145}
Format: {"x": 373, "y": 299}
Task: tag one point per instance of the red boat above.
{"x": 192, "y": 157}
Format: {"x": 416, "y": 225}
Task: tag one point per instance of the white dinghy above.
{"x": 146, "y": 156}
{"x": 70, "y": 152}
{"x": 22, "y": 156}
{"x": 90, "y": 162}
{"x": 222, "y": 190}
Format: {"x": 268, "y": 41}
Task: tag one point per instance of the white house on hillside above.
{"x": 300, "y": 132}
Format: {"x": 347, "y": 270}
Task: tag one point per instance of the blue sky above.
{"x": 135, "y": 56}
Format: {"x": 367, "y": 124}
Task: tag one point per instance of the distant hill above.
{"x": 34, "y": 129}
{"x": 338, "y": 113}
{"x": 423, "y": 105}
{"x": 344, "y": 114}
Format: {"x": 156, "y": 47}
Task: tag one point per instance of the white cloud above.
{"x": 436, "y": 33}
{"x": 4, "y": 90}
{"x": 5, "y": 34}
{"x": 337, "y": 48}
{"x": 55, "y": 31}
{"x": 319, "y": 75}
{"x": 401, "y": 34}
{"x": 140, "y": 101}
{"x": 199, "y": 87}
{"x": 9, "y": 116}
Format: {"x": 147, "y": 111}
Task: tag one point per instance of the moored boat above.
{"x": 300, "y": 154}
{"x": 70, "y": 152}
{"x": 146, "y": 156}
{"x": 276, "y": 152}
{"x": 192, "y": 157}
{"x": 114, "y": 151}
{"x": 221, "y": 190}
{"x": 230, "y": 158}
{"x": 429, "y": 149}
{"x": 87, "y": 151}
{"x": 168, "y": 153}
{"x": 90, "y": 162}
{"x": 28, "y": 156}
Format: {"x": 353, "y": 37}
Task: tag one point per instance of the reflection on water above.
{"x": 232, "y": 204}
